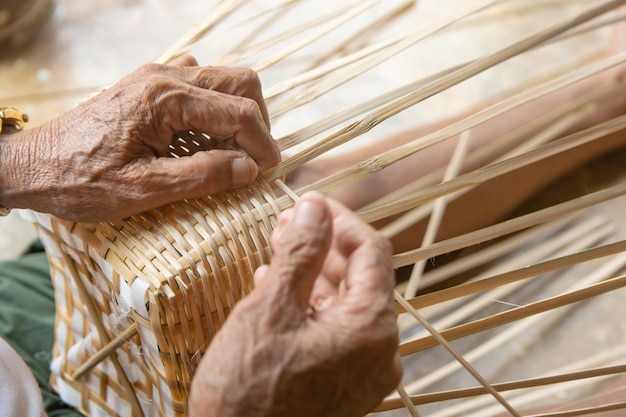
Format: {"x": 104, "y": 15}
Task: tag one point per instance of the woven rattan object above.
{"x": 163, "y": 282}
{"x": 138, "y": 300}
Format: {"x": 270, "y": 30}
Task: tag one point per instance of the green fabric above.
{"x": 27, "y": 320}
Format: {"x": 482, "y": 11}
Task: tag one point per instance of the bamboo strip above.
{"x": 386, "y": 53}
{"x": 406, "y": 400}
{"x": 500, "y": 145}
{"x": 356, "y": 9}
{"x": 395, "y": 403}
{"x": 437, "y": 213}
{"x": 352, "y": 44}
{"x": 553, "y": 131}
{"x": 585, "y": 411}
{"x": 107, "y": 350}
{"x": 509, "y": 226}
{"x": 305, "y": 133}
{"x": 292, "y": 33}
{"x": 369, "y": 121}
{"x": 278, "y": 8}
{"x": 492, "y": 252}
{"x": 387, "y": 158}
{"x": 518, "y": 313}
{"x": 443, "y": 342}
{"x": 95, "y": 319}
{"x": 535, "y": 322}
{"x": 216, "y": 15}
{"x": 516, "y": 275}
{"x": 568, "y": 243}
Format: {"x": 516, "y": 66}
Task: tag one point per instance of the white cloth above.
{"x": 19, "y": 394}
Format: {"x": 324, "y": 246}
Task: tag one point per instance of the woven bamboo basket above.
{"x": 138, "y": 300}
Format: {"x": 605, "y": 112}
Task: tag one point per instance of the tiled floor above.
{"x": 89, "y": 44}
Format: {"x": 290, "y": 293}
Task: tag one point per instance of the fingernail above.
{"x": 244, "y": 171}
{"x": 309, "y": 213}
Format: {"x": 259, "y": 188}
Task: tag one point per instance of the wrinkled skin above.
{"x": 105, "y": 159}
{"x": 275, "y": 356}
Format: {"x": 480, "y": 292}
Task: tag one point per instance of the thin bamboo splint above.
{"x": 138, "y": 300}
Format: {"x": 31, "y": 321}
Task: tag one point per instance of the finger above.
{"x": 242, "y": 82}
{"x": 299, "y": 254}
{"x": 369, "y": 270}
{"x": 223, "y": 115}
{"x": 165, "y": 180}
{"x": 184, "y": 60}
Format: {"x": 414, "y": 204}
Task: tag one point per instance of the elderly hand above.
{"x": 277, "y": 356}
{"x": 107, "y": 158}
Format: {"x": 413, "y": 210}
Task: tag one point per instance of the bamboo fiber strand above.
{"x": 350, "y": 12}
{"x": 345, "y": 13}
{"x": 360, "y": 40}
{"x": 510, "y": 226}
{"x": 217, "y": 14}
{"x": 500, "y": 145}
{"x": 535, "y": 323}
{"x": 492, "y": 252}
{"x": 518, "y": 313}
{"x": 393, "y": 48}
{"x": 573, "y": 241}
{"x": 406, "y": 401}
{"x": 442, "y": 341}
{"x": 516, "y": 275}
{"x": 553, "y": 131}
{"x": 385, "y": 159}
{"x": 369, "y": 121}
{"x": 392, "y": 404}
{"x": 437, "y": 213}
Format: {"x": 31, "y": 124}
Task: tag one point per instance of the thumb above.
{"x": 203, "y": 173}
{"x": 300, "y": 243}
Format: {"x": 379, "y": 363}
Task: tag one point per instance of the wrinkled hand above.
{"x": 106, "y": 159}
{"x": 275, "y": 356}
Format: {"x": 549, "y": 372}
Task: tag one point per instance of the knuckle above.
{"x": 249, "y": 111}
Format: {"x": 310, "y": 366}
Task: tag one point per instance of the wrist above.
{"x": 17, "y": 165}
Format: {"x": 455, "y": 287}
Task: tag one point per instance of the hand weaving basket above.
{"x": 139, "y": 300}
{"x": 161, "y": 284}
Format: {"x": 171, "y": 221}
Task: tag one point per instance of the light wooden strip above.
{"x": 305, "y": 133}
{"x": 519, "y": 313}
{"x": 604, "y": 358}
{"x": 443, "y": 342}
{"x": 537, "y": 322}
{"x": 509, "y": 226}
{"x": 553, "y": 131}
{"x": 387, "y": 158}
{"x": 516, "y": 275}
{"x": 491, "y": 252}
{"x": 584, "y": 411}
{"x": 293, "y": 33}
{"x": 360, "y": 7}
{"x": 406, "y": 400}
{"x": 386, "y": 53}
{"x": 577, "y": 238}
{"x": 437, "y": 213}
{"x": 368, "y": 122}
{"x": 279, "y": 8}
{"x": 363, "y": 38}
{"x": 216, "y": 15}
{"x": 106, "y": 350}
{"x": 392, "y": 404}
{"x": 500, "y": 145}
